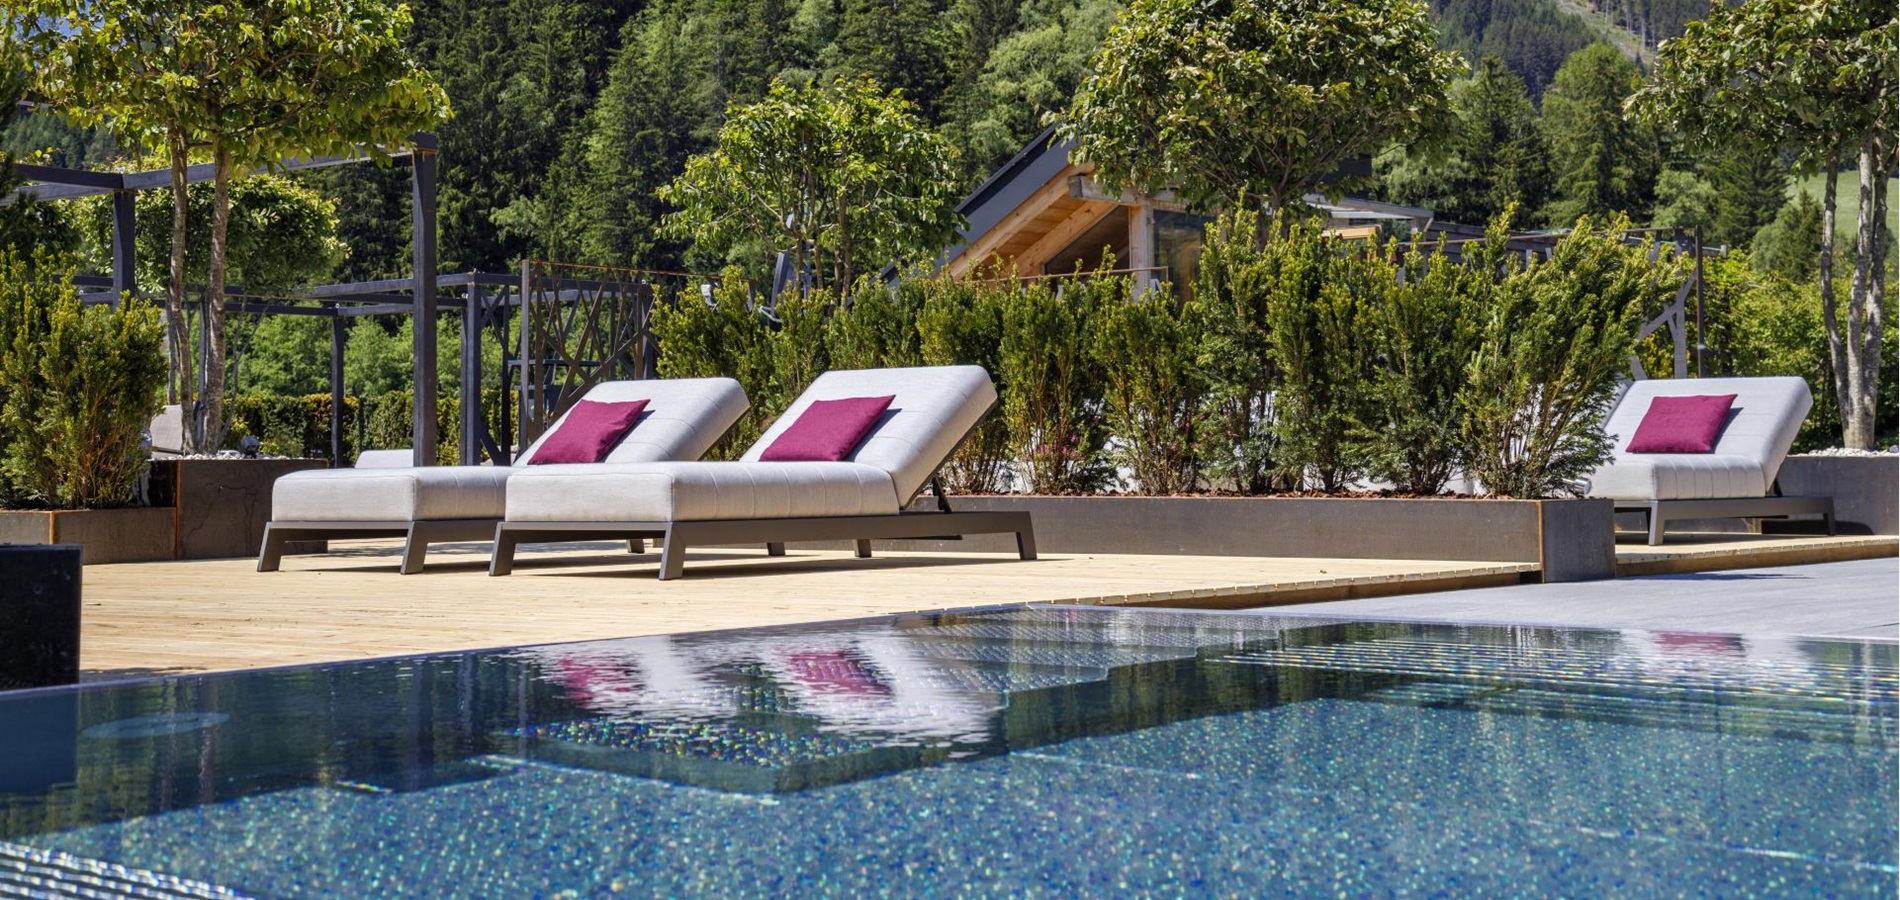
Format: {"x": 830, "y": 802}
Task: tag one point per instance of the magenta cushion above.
{"x": 589, "y": 433}
{"x": 828, "y": 430}
{"x": 1681, "y": 424}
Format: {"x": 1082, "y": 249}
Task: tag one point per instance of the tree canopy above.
{"x": 1216, "y": 99}
{"x": 842, "y": 176}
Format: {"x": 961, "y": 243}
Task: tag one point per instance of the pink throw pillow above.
{"x": 589, "y": 433}
{"x": 1681, "y": 424}
{"x": 828, "y": 430}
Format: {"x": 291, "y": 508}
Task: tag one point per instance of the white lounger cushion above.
{"x": 1767, "y": 414}
{"x": 684, "y": 418}
{"x": 932, "y": 410}
{"x": 935, "y": 407}
{"x": 699, "y": 491}
{"x": 390, "y": 494}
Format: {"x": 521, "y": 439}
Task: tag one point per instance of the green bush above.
{"x": 725, "y": 338}
{"x": 1146, "y": 351}
{"x": 1426, "y": 331}
{"x": 797, "y": 349}
{"x": 81, "y": 383}
{"x": 1554, "y": 339}
{"x": 960, "y": 323}
{"x": 1052, "y": 386}
{"x": 879, "y": 328}
{"x": 1236, "y": 435}
{"x": 1319, "y": 300}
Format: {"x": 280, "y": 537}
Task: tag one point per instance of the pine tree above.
{"x": 1751, "y": 185}
{"x": 1605, "y": 161}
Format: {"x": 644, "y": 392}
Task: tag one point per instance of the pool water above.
{"x": 1022, "y": 752}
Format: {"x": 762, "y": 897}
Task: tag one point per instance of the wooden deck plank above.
{"x": 210, "y": 615}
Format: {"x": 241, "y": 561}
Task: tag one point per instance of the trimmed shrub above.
{"x": 1554, "y": 339}
{"x": 81, "y": 383}
{"x": 879, "y": 327}
{"x": 1236, "y": 436}
{"x": 1320, "y": 294}
{"x": 1052, "y": 386}
{"x": 1427, "y": 330}
{"x": 961, "y": 323}
{"x": 1146, "y": 350}
{"x": 724, "y": 338}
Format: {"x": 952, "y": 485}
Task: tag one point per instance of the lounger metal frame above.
{"x": 418, "y": 535}
{"x": 1660, "y": 512}
{"x": 675, "y": 537}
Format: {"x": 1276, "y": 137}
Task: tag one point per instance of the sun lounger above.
{"x": 1735, "y": 480}
{"x": 857, "y": 498}
{"x": 430, "y": 504}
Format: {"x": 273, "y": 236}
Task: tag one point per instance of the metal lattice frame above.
{"x": 582, "y": 325}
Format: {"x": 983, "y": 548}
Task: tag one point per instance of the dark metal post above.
{"x": 422, "y": 164}
{"x": 124, "y": 257}
{"x": 338, "y": 335}
{"x": 529, "y": 383}
{"x": 472, "y": 376}
{"x": 1701, "y": 337}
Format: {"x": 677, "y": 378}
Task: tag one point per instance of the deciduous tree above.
{"x": 843, "y": 176}
{"x": 244, "y": 83}
{"x": 1217, "y": 99}
{"x": 1815, "y": 77}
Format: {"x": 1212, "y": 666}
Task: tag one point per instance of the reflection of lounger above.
{"x": 683, "y": 418}
{"x": 858, "y": 498}
{"x": 1735, "y": 479}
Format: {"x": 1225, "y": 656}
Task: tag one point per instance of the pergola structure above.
{"x": 347, "y": 301}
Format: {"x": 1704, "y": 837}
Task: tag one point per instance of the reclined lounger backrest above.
{"x": 683, "y": 419}
{"x": 935, "y": 407}
{"x": 1767, "y": 414}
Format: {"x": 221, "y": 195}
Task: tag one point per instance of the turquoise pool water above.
{"x": 1019, "y": 752}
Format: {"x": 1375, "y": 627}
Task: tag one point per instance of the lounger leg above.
{"x": 1026, "y": 542}
{"x": 415, "y": 549}
{"x": 1655, "y": 525}
{"x": 1828, "y": 517}
{"x": 636, "y": 545}
{"x": 774, "y": 549}
{"x": 864, "y": 549}
{"x": 272, "y": 553}
{"x": 502, "y": 560}
{"x": 673, "y": 554}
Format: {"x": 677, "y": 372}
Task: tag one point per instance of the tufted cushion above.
{"x": 1767, "y": 413}
{"x": 933, "y": 408}
{"x": 589, "y": 432}
{"x": 828, "y": 430}
{"x": 1681, "y": 424}
{"x": 390, "y": 494}
{"x": 698, "y": 491}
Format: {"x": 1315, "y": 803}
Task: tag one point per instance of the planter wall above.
{"x": 1866, "y": 489}
{"x": 1570, "y": 539}
{"x": 138, "y": 534}
{"x": 222, "y": 504}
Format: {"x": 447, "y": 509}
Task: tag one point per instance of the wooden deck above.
{"x": 209, "y": 615}
{"x": 1682, "y": 553}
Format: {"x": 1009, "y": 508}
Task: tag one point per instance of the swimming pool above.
{"x": 1024, "y": 752}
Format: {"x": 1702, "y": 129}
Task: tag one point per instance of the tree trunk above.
{"x": 1836, "y": 351}
{"x": 183, "y": 386}
{"x": 211, "y": 405}
{"x": 1857, "y": 407}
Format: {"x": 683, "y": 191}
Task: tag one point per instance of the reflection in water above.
{"x": 1049, "y": 717}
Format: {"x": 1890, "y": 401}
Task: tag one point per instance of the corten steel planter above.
{"x": 222, "y": 505}
{"x": 1570, "y": 540}
{"x": 137, "y": 534}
